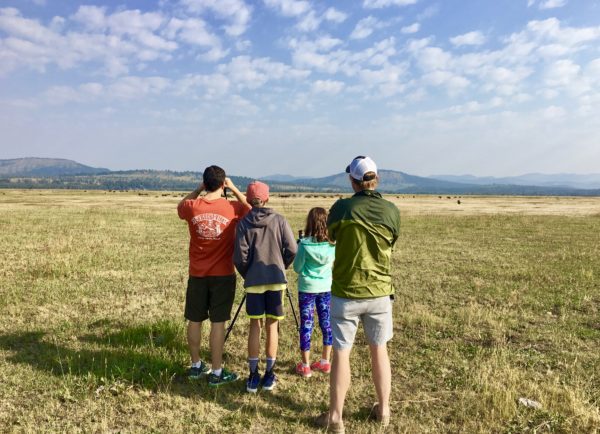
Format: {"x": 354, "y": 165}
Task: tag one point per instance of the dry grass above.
{"x": 497, "y": 298}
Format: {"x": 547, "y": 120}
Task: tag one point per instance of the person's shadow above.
{"x": 121, "y": 356}
{"x": 148, "y": 357}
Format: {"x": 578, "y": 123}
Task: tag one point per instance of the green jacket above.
{"x": 365, "y": 227}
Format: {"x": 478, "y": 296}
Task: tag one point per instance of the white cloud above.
{"x": 117, "y": 41}
{"x": 471, "y": 38}
{"x": 365, "y": 27}
{"x": 561, "y": 73}
{"x": 236, "y": 12}
{"x": 92, "y": 17}
{"x": 413, "y": 28}
{"x": 309, "y": 22}
{"x": 388, "y": 79}
{"x": 378, "y": 4}
{"x": 289, "y": 8}
{"x": 332, "y": 14}
{"x": 243, "y": 105}
{"x": 307, "y": 18}
{"x": 125, "y": 88}
{"x": 137, "y": 87}
{"x": 249, "y": 73}
{"x": 329, "y": 87}
{"x": 433, "y": 58}
{"x": 551, "y": 4}
{"x": 453, "y": 83}
{"x": 213, "y": 85}
{"x": 554, "y": 113}
{"x": 194, "y": 31}
{"x": 592, "y": 69}
{"x": 321, "y": 56}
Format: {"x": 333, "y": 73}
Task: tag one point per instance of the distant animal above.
{"x": 458, "y": 201}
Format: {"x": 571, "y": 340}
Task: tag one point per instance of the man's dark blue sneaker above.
{"x": 253, "y": 382}
{"x": 225, "y": 377}
{"x": 196, "y": 372}
{"x": 269, "y": 380}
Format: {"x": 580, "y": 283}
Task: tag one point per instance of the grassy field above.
{"x": 497, "y": 299}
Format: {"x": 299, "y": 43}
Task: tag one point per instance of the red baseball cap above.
{"x": 257, "y": 190}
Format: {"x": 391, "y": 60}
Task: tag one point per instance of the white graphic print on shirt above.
{"x": 209, "y": 226}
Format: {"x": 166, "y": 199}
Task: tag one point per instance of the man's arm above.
{"x": 241, "y": 251}
{"x": 238, "y": 194}
{"x": 184, "y": 207}
{"x": 194, "y": 194}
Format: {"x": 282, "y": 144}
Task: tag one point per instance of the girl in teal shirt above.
{"x": 313, "y": 264}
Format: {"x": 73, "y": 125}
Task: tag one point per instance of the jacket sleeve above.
{"x": 396, "y": 229}
{"x": 299, "y": 259}
{"x": 333, "y": 220}
{"x": 241, "y": 250}
{"x": 288, "y": 244}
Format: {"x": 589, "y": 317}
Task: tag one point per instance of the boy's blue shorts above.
{"x": 268, "y": 304}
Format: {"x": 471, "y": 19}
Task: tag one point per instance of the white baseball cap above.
{"x": 360, "y": 166}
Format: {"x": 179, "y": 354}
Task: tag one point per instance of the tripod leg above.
{"x": 289, "y": 296}
{"x": 232, "y": 323}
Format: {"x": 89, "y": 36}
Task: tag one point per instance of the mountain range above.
{"x": 61, "y": 173}
{"x": 573, "y": 180}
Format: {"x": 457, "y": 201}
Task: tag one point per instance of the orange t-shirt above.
{"x": 212, "y": 234}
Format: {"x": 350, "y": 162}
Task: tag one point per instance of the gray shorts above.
{"x": 375, "y": 314}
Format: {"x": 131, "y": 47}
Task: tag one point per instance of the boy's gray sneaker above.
{"x": 197, "y": 372}
{"x": 225, "y": 377}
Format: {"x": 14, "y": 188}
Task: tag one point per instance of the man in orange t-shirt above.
{"x": 212, "y": 220}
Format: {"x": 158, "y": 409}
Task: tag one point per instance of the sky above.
{"x": 482, "y": 87}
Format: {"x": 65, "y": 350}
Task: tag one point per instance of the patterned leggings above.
{"x": 307, "y": 303}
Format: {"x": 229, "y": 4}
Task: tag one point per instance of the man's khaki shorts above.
{"x": 374, "y": 313}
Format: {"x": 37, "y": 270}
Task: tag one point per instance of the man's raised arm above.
{"x": 194, "y": 194}
{"x": 238, "y": 194}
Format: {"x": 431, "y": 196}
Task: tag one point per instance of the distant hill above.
{"x": 392, "y": 181}
{"x": 588, "y": 181}
{"x": 42, "y": 167}
{"x": 283, "y": 178}
{"x": 60, "y": 173}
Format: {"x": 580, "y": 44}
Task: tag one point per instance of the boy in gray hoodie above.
{"x": 264, "y": 248}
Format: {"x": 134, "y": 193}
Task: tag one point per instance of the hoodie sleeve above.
{"x": 299, "y": 259}
{"x": 288, "y": 244}
{"x": 242, "y": 250}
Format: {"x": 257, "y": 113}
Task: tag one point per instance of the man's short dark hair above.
{"x": 213, "y": 178}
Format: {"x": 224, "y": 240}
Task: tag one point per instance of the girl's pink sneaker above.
{"x": 303, "y": 371}
{"x": 323, "y": 367}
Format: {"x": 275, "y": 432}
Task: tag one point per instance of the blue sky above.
{"x": 486, "y": 87}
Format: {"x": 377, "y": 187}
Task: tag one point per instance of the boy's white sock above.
{"x": 197, "y": 364}
{"x": 324, "y": 361}
{"x": 306, "y": 365}
{"x": 217, "y": 372}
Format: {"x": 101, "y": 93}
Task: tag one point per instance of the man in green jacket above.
{"x": 365, "y": 227}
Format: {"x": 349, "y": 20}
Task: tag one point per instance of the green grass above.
{"x": 489, "y": 307}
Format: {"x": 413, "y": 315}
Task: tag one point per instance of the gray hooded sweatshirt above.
{"x": 264, "y": 247}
